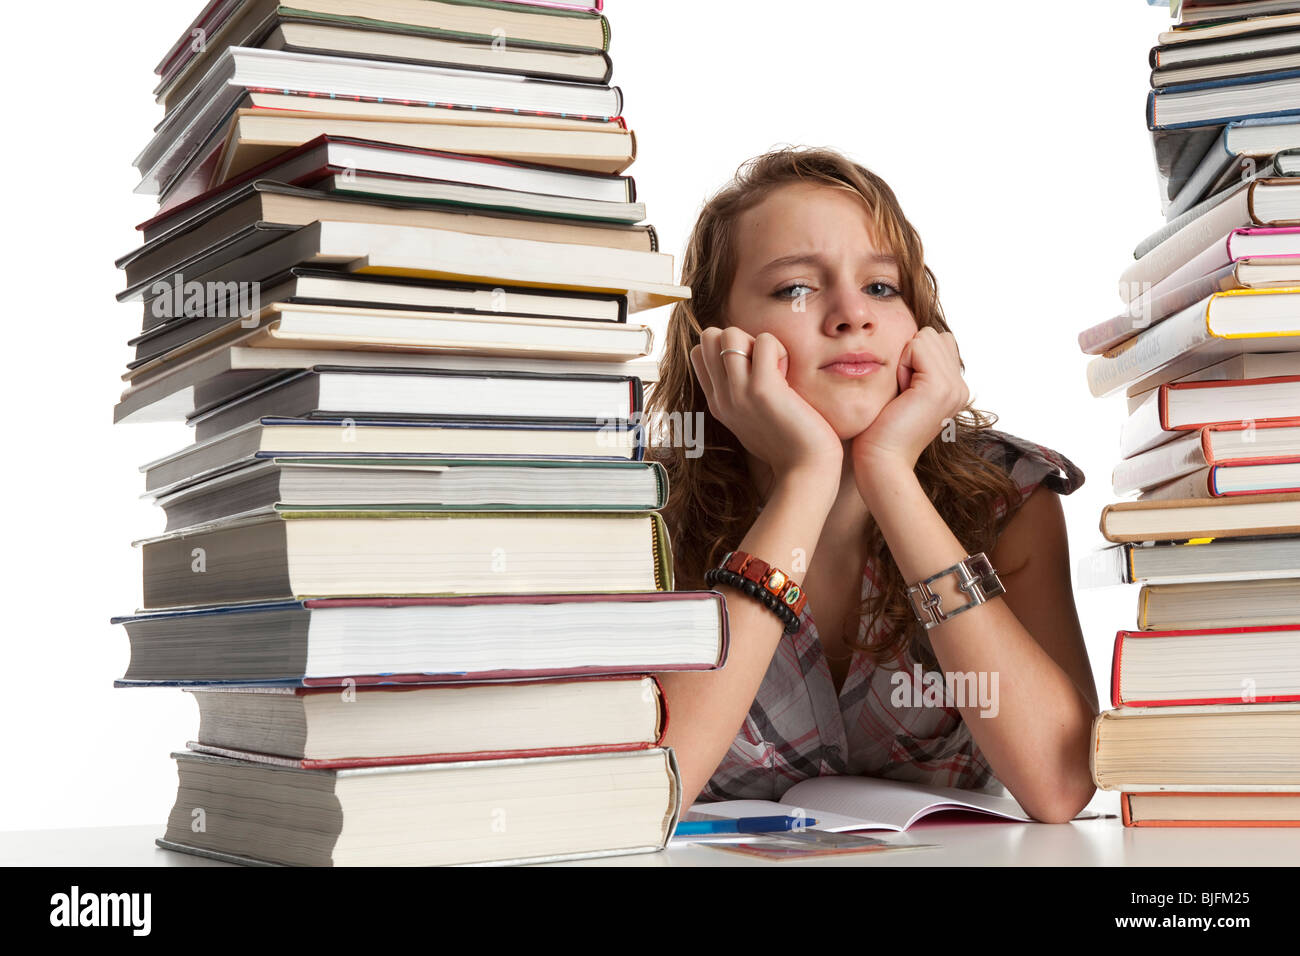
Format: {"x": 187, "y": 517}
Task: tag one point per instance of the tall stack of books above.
{"x": 1206, "y": 688}
{"x": 413, "y": 570}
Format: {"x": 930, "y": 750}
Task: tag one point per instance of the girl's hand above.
{"x": 931, "y": 391}
{"x": 752, "y": 398}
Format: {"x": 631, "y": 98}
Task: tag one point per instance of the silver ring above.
{"x": 737, "y": 351}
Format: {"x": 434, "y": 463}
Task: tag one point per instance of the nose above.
{"x": 848, "y": 308}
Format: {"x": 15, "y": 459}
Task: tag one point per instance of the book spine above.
{"x": 1153, "y": 348}
{"x": 1196, "y": 484}
{"x": 663, "y": 554}
{"x": 1143, "y": 429}
{"x": 1159, "y": 465}
{"x": 1116, "y": 665}
{"x": 1189, "y": 242}
{"x": 1103, "y": 568}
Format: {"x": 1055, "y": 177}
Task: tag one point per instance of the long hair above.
{"x": 712, "y": 501}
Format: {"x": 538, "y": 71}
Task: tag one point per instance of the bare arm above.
{"x": 751, "y": 397}
{"x": 1036, "y": 739}
{"x": 707, "y": 708}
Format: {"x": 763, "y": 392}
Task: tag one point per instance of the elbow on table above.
{"x": 1064, "y": 804}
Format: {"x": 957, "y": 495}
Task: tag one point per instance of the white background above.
{"x": 1015, "y": 141}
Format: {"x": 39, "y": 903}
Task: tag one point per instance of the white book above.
{"x": 1245, "y": 365}
{"x": 1253, "y": 404}
{"x": 843, "y": 803}
{"x": 223, "y": 371}
{"x": 189, "y": 124}
{"x": 1246, "y": 559}
{"x": 1216, "y": 328}
{"x": 1260, "y": 202}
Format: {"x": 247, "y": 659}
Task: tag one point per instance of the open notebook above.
{"x": 843, "y": 803}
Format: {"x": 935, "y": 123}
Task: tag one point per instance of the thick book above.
{"x": 267, "y": 439}
{"x": 1240, "y": 150}
{"x": 385, "y": 816}
{"x": 483, "y": 183}
{"x": 265, "y": 124}
{"x": 433, "y": 484}
{"x": 375, "y": 725}
{"x": 225, "y": 372}
{"x": 419, "y": 191}
{"x": 1233, "y": 21}
{"x": 254, "y": 137}
{"x": 351, "y": 328}
{"x": 1194, "y": 518}
{"x": 1171, "y": 296}
{"x": 1254, "y": 243}
{"x": 1176, "y": 563}
{"x": 182, "y": 133}
{"x": 300, "y": 31}
{"x": 1226, "y": 69}
{"x": 1239, "y": 747}
{"x": 1227, "y": 480}
{"x": 270, "y": 209}
{"x": 1244, "y": 365}
{"x": 1194, "y": 13}
{"x": 363, "y": 641}
{"x": 1216, "y": 328}
{"x": 342, "y": 392}
{"x": 220, "y": 21}
{"x": 171, "y": 321}
{"x": 423, "y": 252}
{"x": 1264, "y": 203}
{"x": 1282, "y": 164}
{"x": 1210, "y": 446}
{"x": 296, "y": 554}
{"x": 395, "y": 249}
{"x": 264, "y": 102}
{"x": 1187, "y": 406}
{"x": 1210, "y": 809}
{"x": 1257, "y": 603}
{"x": 1218, "y": 102}
{"x": 1227, "y": 665}
{"x": 1185, "y": 121}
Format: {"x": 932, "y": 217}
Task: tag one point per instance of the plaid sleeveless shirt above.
{"x": 797, "y": 727}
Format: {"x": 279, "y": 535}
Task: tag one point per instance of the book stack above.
{"x": 1206, "y": 688}
{"x": 413, "y": 570}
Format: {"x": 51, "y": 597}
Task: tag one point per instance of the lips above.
{"x": 853, "y": 364}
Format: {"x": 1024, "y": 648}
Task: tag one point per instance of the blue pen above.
{"x": 742, "y": 825}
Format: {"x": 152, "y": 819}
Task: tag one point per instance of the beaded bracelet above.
{"x": 781, "y": 595}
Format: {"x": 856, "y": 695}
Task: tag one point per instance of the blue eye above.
{"x": 783, "y": 293}
{"x": 889, "y": 290}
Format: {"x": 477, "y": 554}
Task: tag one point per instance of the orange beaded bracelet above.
{"x": 770, "y": 584}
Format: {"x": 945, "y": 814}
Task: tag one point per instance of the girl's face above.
{"x": 809, "y": 271}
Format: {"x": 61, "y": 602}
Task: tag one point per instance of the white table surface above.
{"x": 1099, "y": 842}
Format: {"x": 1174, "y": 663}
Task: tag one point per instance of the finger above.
{"x": 771, "y": 360}
{"x": 737, "y": 366}
{"x": 929, "y": 354}
{"x": 905, "y": 367}
{"x": 717, "y": 373}
{"x": 701, "y": 370}
{"x": 712, "y": 375}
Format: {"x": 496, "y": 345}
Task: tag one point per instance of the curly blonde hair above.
{"x": 713, "y": 501}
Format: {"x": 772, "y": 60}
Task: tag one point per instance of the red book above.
{"x": 1210, "y": 809}
{"x": 1229, "y": 665}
